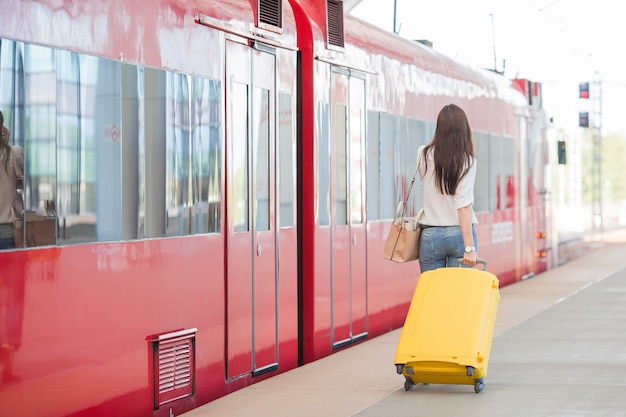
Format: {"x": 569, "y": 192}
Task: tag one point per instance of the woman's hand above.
{"x": 469, "y": 258}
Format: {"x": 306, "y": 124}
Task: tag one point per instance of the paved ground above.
{"x": 559, "y": 350}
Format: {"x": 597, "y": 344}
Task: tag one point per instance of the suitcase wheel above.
{"x": 399, "y": 368}
{"x": 479, "y": 385}
{"x": 469, "y": 370}
{"x": 408, "y": 384}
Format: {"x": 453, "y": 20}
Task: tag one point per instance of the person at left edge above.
{"x": 11, "y": 159}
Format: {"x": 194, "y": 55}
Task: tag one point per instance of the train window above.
{"x": 133, "y": 152}
{"x": 261, "y": 146}
{"x": 414, "y": 134}
{"x": 357, "y": 164}
{"x": 391, "y": 169}
{"x": 323, "y": 165}
{"x": 83, "y": 122}
{"x": 386, "y": 170}
{"x": 484, "y": 164}
{"x": 286, "y": 159}
{"x": 496, "y": 163}
{"x": 239, "y": 138}
{"x": 507, "y": 189}
{"x": 373, "y": 166}
{"x": 76, "y": 148}
{"x": 207, "y": 155}
{"x": 341, "y": 183}
{"x": 177, "y": 155}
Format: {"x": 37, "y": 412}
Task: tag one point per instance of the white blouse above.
{"x": 440, "y": 209}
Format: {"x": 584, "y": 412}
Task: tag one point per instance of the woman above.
{"x": 447, "y": 168}
{"x": 11, "y": 160}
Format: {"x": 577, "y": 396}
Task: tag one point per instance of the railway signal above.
{"x": 583, "y": 119}
{"x": 562, "y": 153}
{"x": 583, "y": 90}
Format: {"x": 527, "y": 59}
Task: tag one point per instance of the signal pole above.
{"x": 593, "y": 120}
{"x": 596, "y": 167}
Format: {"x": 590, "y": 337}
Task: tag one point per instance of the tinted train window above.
{"x": 494, "y": 174}
{"x": 397, "y": 157}
{"x": 84, "y": 122}
{"x": 341, "y": 184}
{"x": 206, "y": 124}
{"x": 261, "y": 144}
{"x": 357, "y": 133}
{"x": 373, "y": 166}
{"x": 481, "y": 184}
{"x": 387, "y": 192}
{"x": 88, "y": 158}
{"x": 177, "y": 155}
{"x": 323, "y": 165}
{"x": 239, "y": 137}
{"x": 506, "y": 189}
{"x": 286, "y": 167}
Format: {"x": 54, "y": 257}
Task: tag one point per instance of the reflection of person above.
{"x": 11, "y": 160}
{"x": 447, "y": 168}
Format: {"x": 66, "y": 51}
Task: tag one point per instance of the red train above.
{"x": 208, "y": 187}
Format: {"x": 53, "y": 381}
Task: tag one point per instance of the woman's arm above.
{"x": 465, "y": 221}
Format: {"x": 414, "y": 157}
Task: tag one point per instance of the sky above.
{"x": 559, "y": 43}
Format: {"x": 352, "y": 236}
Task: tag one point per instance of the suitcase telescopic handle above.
{"x": 478, "y": 261}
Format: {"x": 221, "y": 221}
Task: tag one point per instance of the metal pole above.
{"x": 395, "y": 16}
{"x": 596, "y": 170}
{"x": 493, "y": 37}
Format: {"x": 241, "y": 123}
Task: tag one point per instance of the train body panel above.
{"x": 222, "y": 180}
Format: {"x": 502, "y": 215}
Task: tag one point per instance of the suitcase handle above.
{"x": 478, "y": 261}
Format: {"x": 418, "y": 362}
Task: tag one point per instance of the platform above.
{"x": 559, "y": 350}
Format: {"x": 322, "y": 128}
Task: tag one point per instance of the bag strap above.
{"x": 403, "y": 204}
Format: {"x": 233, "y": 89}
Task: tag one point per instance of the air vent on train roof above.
{"x": 270, "y": 12}
{"x": 334, "y": 10}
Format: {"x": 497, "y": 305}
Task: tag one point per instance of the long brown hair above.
{"x": 5, "y": 148}
{"x": 452, "y": 148}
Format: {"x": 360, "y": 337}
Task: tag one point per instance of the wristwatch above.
{"x": 469, "y": 249}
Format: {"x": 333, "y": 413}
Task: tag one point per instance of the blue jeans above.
{"x": 442, "y": 246}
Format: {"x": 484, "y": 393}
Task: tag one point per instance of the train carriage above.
{"x": 208, "y": 186}
{"x": 374, "y": 100}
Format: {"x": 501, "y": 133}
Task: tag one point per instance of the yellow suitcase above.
{"x": 447, "y": 334}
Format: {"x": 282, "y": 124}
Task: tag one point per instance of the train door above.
{"x": 251, "y": 277}
{"x": 348, "y": 243}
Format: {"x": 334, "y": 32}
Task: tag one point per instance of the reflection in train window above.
{"x": 323, "y": 165}
{"x": 357, "y": 165}
{"x": 239, "y": 168}
{"x": 286, "y": 167}
{"x": 177, "y": 155}
{"x": 207, "y": 154}
{"x": 341, "y": 154}
{"x": 114, "y": 151}
{"x": 261, "y": 146}
{"x": 374, "y": 202}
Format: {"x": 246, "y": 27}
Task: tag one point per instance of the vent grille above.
{"x": 173, "y": 358}
{"x": 270, "y": 12}
{"x": 174, "y": 366}
{"x": 335, "y": 22}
